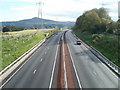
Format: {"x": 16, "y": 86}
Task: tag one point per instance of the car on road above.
{"x": 78, "y": 42}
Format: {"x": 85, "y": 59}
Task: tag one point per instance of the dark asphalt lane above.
{"x": 91, "y": 71}
{"x": 36, "y": 73}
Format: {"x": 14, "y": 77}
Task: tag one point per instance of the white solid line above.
{"x": 14, "y": 74}
{"x": 53, "y": 68}
{"x": 100, "y": 60}
{"x": 102, "y": 63}
{"x": 109, "y": 69}
{"x": 34, "y": 72}
{"x": 18, "y": 69}
{"x": 75, "y": 69}
{"x": 65, "y": 76}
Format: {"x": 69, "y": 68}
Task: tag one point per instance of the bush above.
{"x": 12, "y": 28}
{"x": 97, "y": 37}
{"x": 5, "y": 29}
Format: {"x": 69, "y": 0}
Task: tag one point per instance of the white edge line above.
{"x": 98, "y": 58}
{"x": 53, "y": 68}
{"x": 65, "y": 76}
{"x": 100, "y": 61}
{"x": 75, "y": 68}
{"x": 109, "y": 69}
{"x": 18, "y": 59}
{"x": 20, "y": 66}
{"x": 15, "y": 73}
{"x": 18, "y": 69}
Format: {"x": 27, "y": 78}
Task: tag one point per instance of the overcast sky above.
{"x": 61, "y": 10}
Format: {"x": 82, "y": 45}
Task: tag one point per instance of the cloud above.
{"x": 26, "y": 12}
{"x": 114, "y": 16}
{"x": 63, "y": 9}
{"x": 25, "y": 8}
{"x": 6, "y": 1}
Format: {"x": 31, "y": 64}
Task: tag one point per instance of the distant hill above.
{"x": 36, "y": 22}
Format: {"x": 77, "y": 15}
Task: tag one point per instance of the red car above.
{"x": 78, "y": 42}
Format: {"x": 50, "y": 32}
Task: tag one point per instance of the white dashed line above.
{"x": 41, "y": 60}
{"x": 45, "y": 52}
{"x": 34, "y": 71}
{"x": 95, "y": 73}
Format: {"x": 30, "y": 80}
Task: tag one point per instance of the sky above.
{"x": 58, "y": 10}
{"x": 119, "y": 9}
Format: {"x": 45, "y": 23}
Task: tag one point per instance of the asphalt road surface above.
{"x": 37, "y": 71}
{"x": 91, "y": 71}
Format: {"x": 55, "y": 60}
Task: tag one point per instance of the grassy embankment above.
{"x": 107, "y": 45}
{"x": 13, "y": 47}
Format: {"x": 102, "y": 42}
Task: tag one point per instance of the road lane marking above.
{"x": 34, "y": 71}
{"x": 109, "y": 69}
{"x": 14, "y": 73}
{"x": 75, "y": 68}
{"x": 99, "y": 60}
{"x": 19, "y": 68}
{"x": 53, "y": 67}
{"x": 65, "y": 76}
{"x": 41, "y": 60}
{"x": 45, "y": 52}
{"x": 94, "y": 73}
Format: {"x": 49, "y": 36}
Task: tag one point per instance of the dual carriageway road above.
{"x": 41, "y": 68}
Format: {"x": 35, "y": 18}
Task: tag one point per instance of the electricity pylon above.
{"x": 40, "y": 12}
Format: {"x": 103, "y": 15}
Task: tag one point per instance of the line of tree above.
{"x": 11, "y": 28}
{"x": 97, "y": 21}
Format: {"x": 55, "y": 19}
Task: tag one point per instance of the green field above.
{"x": 13, "y": 47}
{"x": 107, "y": 44}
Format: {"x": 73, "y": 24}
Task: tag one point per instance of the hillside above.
{"x": 36, "y": 22}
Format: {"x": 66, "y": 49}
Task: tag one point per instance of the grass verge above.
{"x": 15, "y": 46}
{"x": 107, "y": 44}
